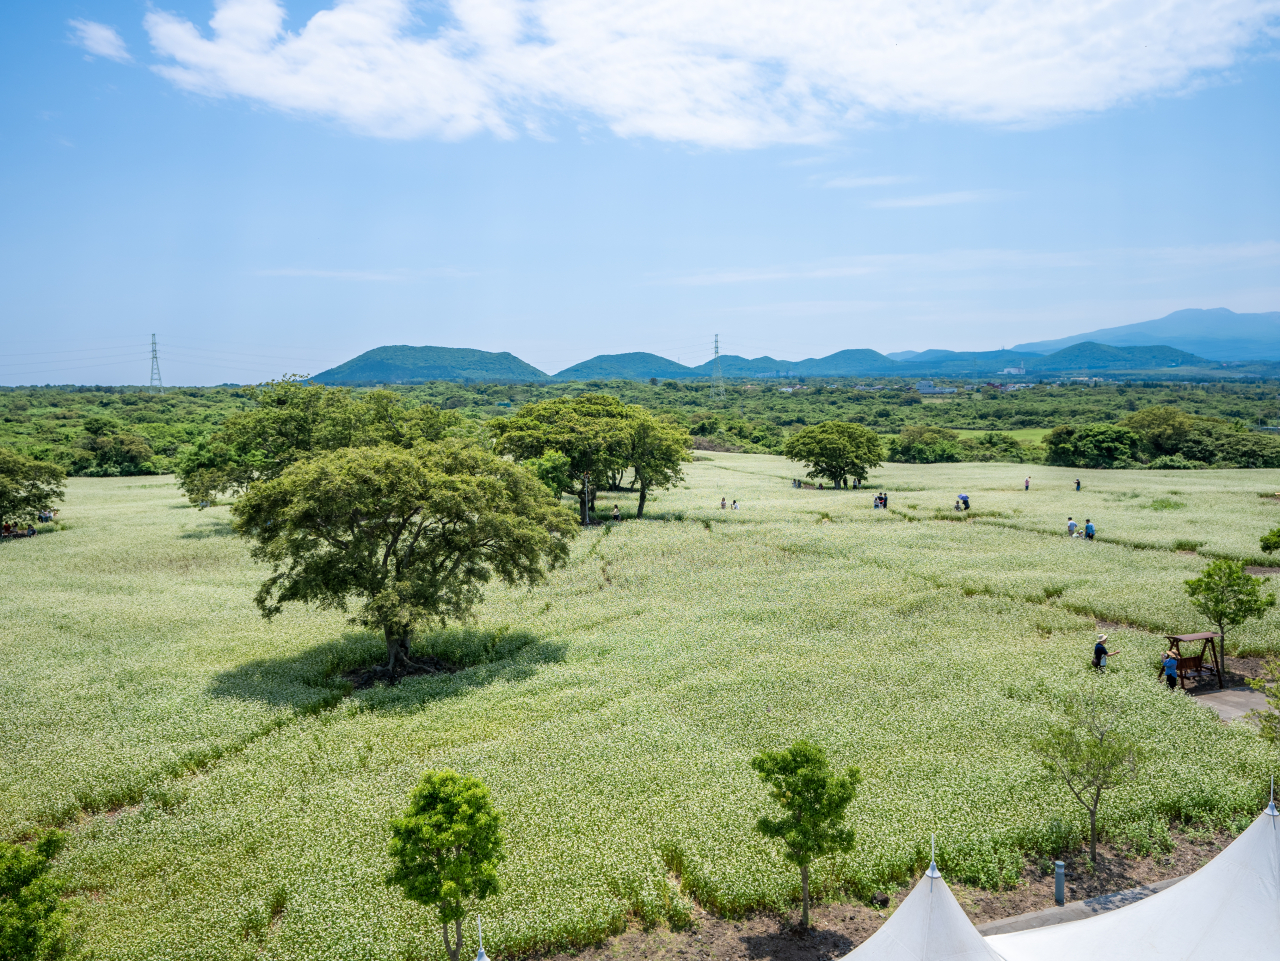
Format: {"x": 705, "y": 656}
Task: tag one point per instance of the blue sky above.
{"x": 300, "y": 182}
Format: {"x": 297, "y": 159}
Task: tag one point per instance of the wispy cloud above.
{"x": 100, "y": 40}
{"x": 887, "y": 180}
{"x": 704, "y": 71}
{"x": 363, "y": 275}
{"x": 938, "y": 200}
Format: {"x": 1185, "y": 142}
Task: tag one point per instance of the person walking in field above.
{"x": 722, "y": 503}
{"x": 1077, "y": 483}
{"x": 617, "y": 514}
{"x": 1026, "y": 484}
{"x": 1088, "y": 529}
{"x": 1171, "y": 669}
{"x": 1071, "y": 527}
{"x": 1100, "y": 653}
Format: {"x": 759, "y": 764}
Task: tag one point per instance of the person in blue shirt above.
{"x": 1071, "y": 527}
{"x": 1171, "y": 669}
{"x": 1100, "y": 653}
{"x": 1088, "y": 529}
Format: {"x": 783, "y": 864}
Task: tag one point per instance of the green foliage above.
{"x": 1090, "y": 753}
{"x": 32, "y": 914}
{"x": 598, "y": 435}
{"x": 1227, "y": 595}
{"x": 1270, "y": 542}
{"x": 1269, "y": 684}
{"x": 554, "y": 469}
{"x": 291, "y": 421}
{"x": 28, "y": 487}
{"x": 836, "y": 451}
{"x": 410, "y": 537}
{"x": 447, "y": 847}
{"x": 925, "y": 445}
{"x": 1092, "y": 445}
{"x": 813, "y": 801}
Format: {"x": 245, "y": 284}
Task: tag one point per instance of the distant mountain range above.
{"x": 1218, "y": 334}
{"x": 400, "y": 364}
{"x": 1185, "y": 338}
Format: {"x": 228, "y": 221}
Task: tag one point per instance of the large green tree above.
{"x": 655, "y": 451}
{"x": 447, "y": 848}
{"x": 813, "y": 800}
{"x": 291, "y": 420}
{"x": 591, "y": 430}
{"x": 400, "y": 538}
{"x": 1228, "y": 595}
{"x": 836, "y": 451}
{"x": 27, "y": 486}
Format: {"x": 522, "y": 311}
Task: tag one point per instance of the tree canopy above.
{"x": 447, "y": 848}
{"x": 1092, "y": 445}
{"x": 813, "y": 801}
{"x": 595, "y": 434}
{"x": 292, "y": 420}
{"x": 1228, "y": 595}
{"x": 836, "y": 451}
{"x": 399, "y": 538}
{"x": 27, "y": 486}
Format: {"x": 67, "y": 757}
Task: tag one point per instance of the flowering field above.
{"x": 213, "y": 767}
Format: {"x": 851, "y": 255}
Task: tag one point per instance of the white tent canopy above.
{"x": 1229, "y": 910}
{"x": 929, "y": 925}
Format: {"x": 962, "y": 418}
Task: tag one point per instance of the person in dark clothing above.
{"x": 964, "y": 501}
{"x": 1077, "y": 483}
{"x": 1100, "y": 653}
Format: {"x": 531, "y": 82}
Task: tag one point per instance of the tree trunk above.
{"x": 1093, "y": 835}
{"x": 644, "y": 495}
{"x": 1222, "y": 654}
{"x": 456, "y": 949}
{"x": 582, "y": 506}
{"x": 804, "y": 897}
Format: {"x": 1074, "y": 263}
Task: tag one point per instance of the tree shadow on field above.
{"x": 318, "y": 678}
{"x": 214, "y": 528}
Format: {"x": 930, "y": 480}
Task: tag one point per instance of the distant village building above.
{"x": 1020, "y": 371}
{"x": 926, "y": 387}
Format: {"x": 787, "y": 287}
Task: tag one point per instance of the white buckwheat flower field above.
{"x": 227, "y": 793}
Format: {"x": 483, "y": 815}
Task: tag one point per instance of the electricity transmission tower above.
{"x": 717, "y": 377}
{"x": 157, "y": 387}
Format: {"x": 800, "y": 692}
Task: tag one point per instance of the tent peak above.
{"x": 1271, "y": 808}
{"x": 933, "y": 871}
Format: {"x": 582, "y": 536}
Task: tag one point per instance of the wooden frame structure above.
{"x": 1193, "y": 665}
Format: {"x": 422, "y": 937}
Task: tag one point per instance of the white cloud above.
{"x": 726, "y": 73}
{"x": 100, "y": 40}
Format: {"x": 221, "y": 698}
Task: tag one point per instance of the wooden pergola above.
{"x": 1193, "y": 665}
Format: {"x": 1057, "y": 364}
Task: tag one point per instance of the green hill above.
{"x": 403, "y": 364}
{"x": 1091, "y": 356}
{"x": 634, "y": 366}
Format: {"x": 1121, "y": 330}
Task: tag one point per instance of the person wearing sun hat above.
{"x": 1100, "y": 653}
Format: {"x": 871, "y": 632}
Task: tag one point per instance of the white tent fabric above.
{"x": 1229, "y": 910}
{"x": 928, "y": 926}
